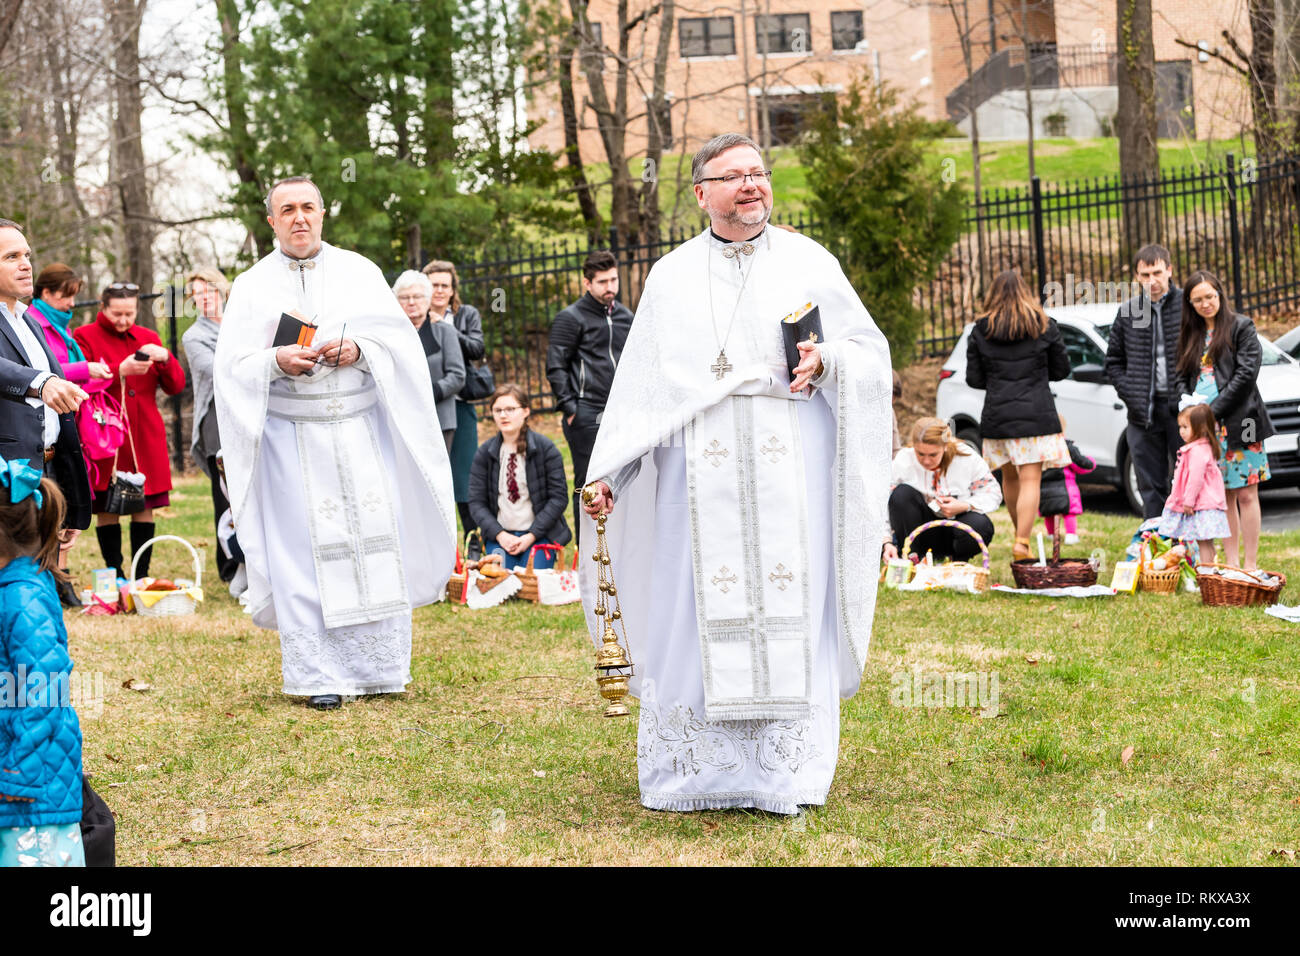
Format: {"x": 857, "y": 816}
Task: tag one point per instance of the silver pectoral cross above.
{"x": 721, "y": 367}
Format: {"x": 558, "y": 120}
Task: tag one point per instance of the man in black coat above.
{"x": 38, "y": 414}
{"x": 1141, "y": 362}
{"x": 586, "y": 342}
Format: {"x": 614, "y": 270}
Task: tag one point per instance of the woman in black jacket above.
{"x": 1219, "y": 357}
{"x": 517, "y": 487}
{"x": 445, "y": 305}
{"x": 1014, "y": 351}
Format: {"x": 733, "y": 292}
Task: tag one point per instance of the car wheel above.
{"x": 971, "y": 436}
{"x": 1130, "y": 487}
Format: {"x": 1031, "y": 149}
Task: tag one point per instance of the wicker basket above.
{"x": 979, "y": 576}
{"x": 528, "y": 577}
{"x": 175, "y": 603}
{"x": 1216, "y": 591}
{"x": 1160, "y": 582}
{"x": 1056, "y": 573}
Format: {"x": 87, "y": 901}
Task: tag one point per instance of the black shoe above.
{"x": 326, "y": 702}
{"x": 68, "y": 594}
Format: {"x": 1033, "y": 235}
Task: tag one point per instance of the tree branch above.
{"x": 1216, "y": 54}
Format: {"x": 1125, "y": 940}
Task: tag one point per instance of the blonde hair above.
{"x": 212, "y": 277}
{"x": 935, "y": 431}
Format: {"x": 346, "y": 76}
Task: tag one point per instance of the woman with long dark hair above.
{"x": 1219, "y": 356}
{"x": 1014, "y": 352}
{"x": 445, "y": 306}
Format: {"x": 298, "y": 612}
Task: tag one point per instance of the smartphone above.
{"x": 142, "y": 355}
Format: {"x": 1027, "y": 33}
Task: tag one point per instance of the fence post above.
{"x": 1235, "y": 232}
{"x": 1040, "y": 246}
{"x": 178, "y": 455}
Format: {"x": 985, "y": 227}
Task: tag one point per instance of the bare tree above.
{"x": 131, "y": 182}
{"x": 1135, "y": 124}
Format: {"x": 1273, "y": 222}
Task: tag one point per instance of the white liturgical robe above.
{"x": 339, "y": 481}
{"x": 746, "y": 521}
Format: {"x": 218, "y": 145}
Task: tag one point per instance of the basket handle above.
{"x": 947, "y": 523}
{"x": 1216, "y": 564}
{"x": 558, "y": 549}
{"x": 198, "y": 570}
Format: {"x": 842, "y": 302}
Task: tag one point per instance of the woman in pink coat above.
{"x": 1197, "y": 509}
{"x": 54, "y": 293}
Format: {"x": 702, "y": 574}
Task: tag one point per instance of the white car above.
{"x": 1096, "y": 418}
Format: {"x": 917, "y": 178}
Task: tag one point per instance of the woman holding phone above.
{"x": 140, "y": 366}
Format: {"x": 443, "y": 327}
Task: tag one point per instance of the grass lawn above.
{"x": 498, "y": 752}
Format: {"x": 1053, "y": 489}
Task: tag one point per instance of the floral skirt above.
{"x": 1242, "y": 466}
{"x": 1197, "y": 526}
{"x": 1050, "y": 450}
{"x": 52, "y": 844}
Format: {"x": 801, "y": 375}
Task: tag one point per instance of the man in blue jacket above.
{"x": 586, "y": 342}
{"x": 1141, "y": 362}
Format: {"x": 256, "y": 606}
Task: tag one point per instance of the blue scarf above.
{"x": 60, "y": 321}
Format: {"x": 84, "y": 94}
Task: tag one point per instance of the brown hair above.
{"x": 28, "y": 530}
{"x": 935, "y": 431}
{"x": 118, "y": 290}
{"x": 1191, "y": 336}
{"x": 57, "y": 278}
{"x": 1204, "y": 425}
{"x": 1011, "y": 309}
{"x": 519, "y": 395}
{"x": 442, "y": 265}
{"x": 1152, "y": 255}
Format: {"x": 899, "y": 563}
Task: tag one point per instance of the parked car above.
{"x": 1289, "y": 342}
{"x": 1095, "y": 416}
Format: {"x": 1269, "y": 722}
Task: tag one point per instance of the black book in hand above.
{"x": 801, "y": 326}
{"x": 293, "y": 330}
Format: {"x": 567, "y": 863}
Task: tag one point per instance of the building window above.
{"x": 783, "y": 33}
{"x": 707, "y": 36}
{"x": 788, "y": 115}
{"x": 846, "y": 29}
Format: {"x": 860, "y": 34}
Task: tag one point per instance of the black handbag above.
{"x": 124, "y": 497}
{"x": 479, "y": 382}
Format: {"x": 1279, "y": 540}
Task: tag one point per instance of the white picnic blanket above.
{"x": 1074, "y": 591}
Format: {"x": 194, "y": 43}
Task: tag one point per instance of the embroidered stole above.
{"x": 352, "y": 518}
{"x": 749, "y": 533}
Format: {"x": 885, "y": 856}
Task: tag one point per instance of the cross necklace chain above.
{"x": 721, "y": 366}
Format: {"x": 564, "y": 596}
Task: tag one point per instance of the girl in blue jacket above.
{"x": 40, "y": 740}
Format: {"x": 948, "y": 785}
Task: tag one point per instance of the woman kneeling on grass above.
{"x": 940, "y": 478}
{"x": 518, "y": 491}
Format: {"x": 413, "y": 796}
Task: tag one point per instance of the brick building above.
{"x": 756, "y": 66}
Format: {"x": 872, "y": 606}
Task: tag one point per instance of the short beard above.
{"x": 737, "y": 219}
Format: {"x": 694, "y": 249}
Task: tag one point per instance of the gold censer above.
{"x": 613, "y": 664}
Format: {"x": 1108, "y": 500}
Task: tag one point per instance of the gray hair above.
{"x": 10, "y": 224}
{"x": 412, "y": 278}
{"x": 286, "y": 181}
{"x": 715, "y": 148}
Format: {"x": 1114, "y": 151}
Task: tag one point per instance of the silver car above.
{"x": 1096, "y": 418}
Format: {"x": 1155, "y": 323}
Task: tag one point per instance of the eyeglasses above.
{"x": 507, "y": 411}
{"x": 731, "y": 179}
{"x": 124, "y": 286}
{"x": 412, "y": 298}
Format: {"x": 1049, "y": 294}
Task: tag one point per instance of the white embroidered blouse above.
{"x": 968, "y": 479}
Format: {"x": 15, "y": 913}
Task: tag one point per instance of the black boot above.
{"x": 110, "y": 546}
{"x": 142, "y": 531}
{"x": 67, "y": 594}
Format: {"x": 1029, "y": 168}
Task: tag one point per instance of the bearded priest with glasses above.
{"x": 746, "y": 493}
{"x": 339, "y": 482}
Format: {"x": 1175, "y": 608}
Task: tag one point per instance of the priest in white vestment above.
{"x": 747, "y": 508}
{"x": 339, "y": 481}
